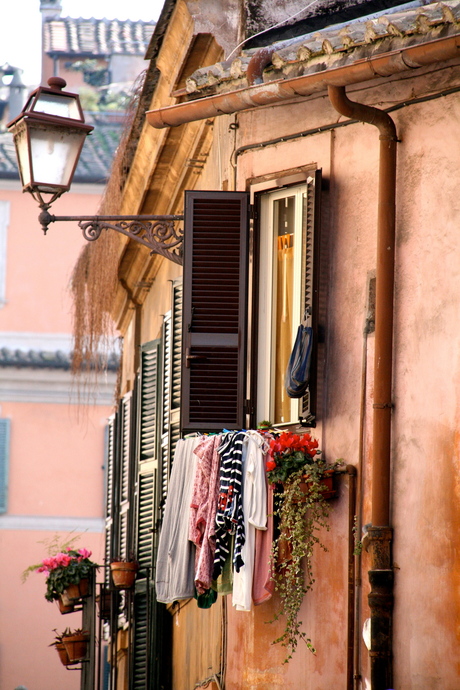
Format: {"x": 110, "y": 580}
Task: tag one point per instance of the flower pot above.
{"x": 63, "y": 656}
{"x": 76, "y": 646}
{"x": 327, "y": 482}
{"x": 75, "y": 592}
{"x": 124, "y": 574}
{"x": 64, "y": 605}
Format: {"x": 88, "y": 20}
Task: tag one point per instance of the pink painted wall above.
{"x": 39, "y": 267}
{"x": 56, "y": 450}
{"x": 58, "y": 459}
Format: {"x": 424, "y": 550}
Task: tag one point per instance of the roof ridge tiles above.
{"x": 376, "y": 33}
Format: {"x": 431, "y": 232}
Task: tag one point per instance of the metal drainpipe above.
{"x": 257, "y": 64}
{"x": 380, "y": 534}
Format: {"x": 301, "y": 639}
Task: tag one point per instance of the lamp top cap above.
{"x": 57, "y": 83}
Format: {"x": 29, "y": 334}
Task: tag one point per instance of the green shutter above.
{"x": 110, "y": 493}
{"x": 147, "y": 510}
{"x": 124, "y": 545}
{"x": 176, "y": 364}
{"x": 149, "y": 400}
{"x": 4, "y": 463}
{"x": 165, "y": 464}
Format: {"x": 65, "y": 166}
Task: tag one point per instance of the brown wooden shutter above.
{"x": 311, "y": 277}
{"x": 215, "y": 310}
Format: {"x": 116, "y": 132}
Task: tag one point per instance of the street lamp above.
{"x": 49, "y": 135}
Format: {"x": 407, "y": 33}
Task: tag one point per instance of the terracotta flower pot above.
{"x": 63, "y": 656}
{"x": 327, "y": 482}
{"x": 124, "y": 574}
{"x": 75, "y": 592}
{"x": 64, "y": 605}
{"x": 76, "y": 646}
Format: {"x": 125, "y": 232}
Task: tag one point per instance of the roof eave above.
{"x": 269, "y": 93}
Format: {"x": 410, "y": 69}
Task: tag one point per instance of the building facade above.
{"x": 52, "y": 434}
{"x": 315, "y": 167}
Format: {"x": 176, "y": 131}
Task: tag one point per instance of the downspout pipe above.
{"x": 380, "y": 534}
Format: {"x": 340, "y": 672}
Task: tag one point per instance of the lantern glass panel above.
{"x": 54, "y": 154}
{"x": 58, "y": 105}
{"x": 22, "y": 149}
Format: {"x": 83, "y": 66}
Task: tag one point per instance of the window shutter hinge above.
{"x": 252, "y": 212}
{"x": 248, "y": 407}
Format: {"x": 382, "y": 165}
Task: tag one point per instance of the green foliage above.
{"x": 60, "y": 577}
{"x": 292, "y": 464}
{"x": 53, "y": 546}
{"x": 301, "y": 516}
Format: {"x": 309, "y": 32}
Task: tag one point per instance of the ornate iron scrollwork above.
{"x": 160, "y": 234}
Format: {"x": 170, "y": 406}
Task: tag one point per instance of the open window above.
{"x": 288, "y": 233}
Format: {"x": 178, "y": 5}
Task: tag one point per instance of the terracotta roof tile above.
{"x": 322, "y": 49}
{"x": 96, "y": 36}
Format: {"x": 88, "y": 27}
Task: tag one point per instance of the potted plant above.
{"x": 68, "y": 575}
{"x": 76, "y": 644}
{"x": 60, "y": 647}
{"x": 123, "y": 572}
{"x": 65, "y": 606}
{"x": 297, "y": 472}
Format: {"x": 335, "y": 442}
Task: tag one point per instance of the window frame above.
{"x": 267, "y": 186}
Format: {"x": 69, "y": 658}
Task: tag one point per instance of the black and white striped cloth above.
{"x": 229, "y": 516}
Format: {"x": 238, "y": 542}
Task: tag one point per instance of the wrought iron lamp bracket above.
{"x": 160, "y": 234}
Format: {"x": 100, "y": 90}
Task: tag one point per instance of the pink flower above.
{"x": 84, "y": 553}
{"x": 48, "y": 564}
{"x": 63, "y": 560}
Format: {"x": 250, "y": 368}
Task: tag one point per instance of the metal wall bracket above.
{"x": 160, "y": 234}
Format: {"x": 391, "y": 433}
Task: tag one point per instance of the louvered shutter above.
{"x": 176, "y": 364}
{"x": 110, "y": 508}
{"x": 4, "y": 463}
{"x": 150, "y": 397}
{"x": 165, "y": 464}
{"x": 311, "y": 280}
{"x": 215, "y": 310}
{"x": 147, "y": 511}
{"x": 142, "y": 642}
{"x": 125, "y": 446}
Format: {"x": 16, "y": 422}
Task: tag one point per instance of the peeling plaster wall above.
{"x": 222, "y": 18}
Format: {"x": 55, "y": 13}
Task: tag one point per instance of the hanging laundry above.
{"x": 175, "y": 569}
{"x": 263, "y": 585}
{"x": 255, "y": 516}
{"x": 229, "y": 517}
{"x": 203, "y": 508}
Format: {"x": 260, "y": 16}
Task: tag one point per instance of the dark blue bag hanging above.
{"x": 298, "y": 368}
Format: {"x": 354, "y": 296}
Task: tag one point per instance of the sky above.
{"x": 20, "y": 26}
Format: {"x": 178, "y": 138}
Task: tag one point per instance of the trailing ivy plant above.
{"x": 296, "y": 471}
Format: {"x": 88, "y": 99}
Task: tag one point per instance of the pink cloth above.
{"x": 203, "y": 510}
{"x": 262, "y": 583}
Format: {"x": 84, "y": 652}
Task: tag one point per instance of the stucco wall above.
{"x": 425, "y": 473}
